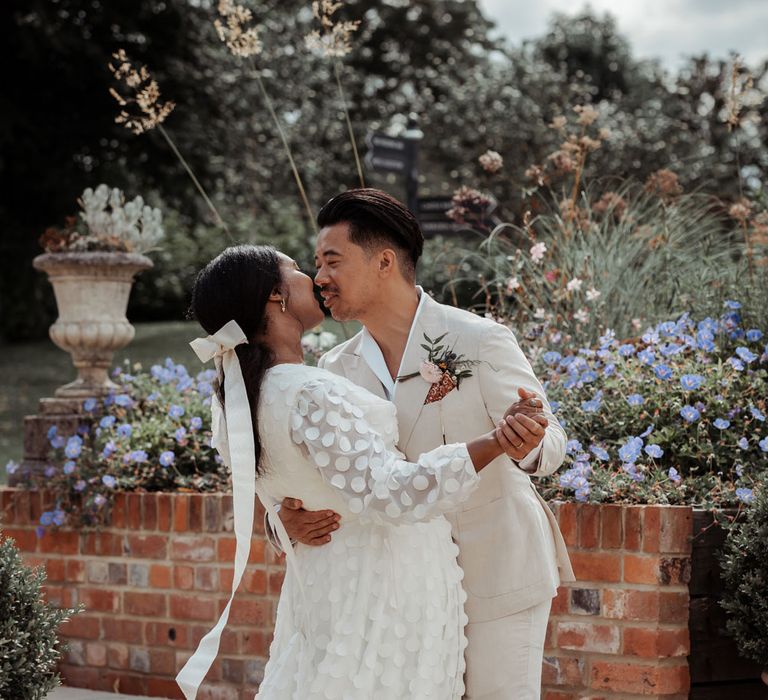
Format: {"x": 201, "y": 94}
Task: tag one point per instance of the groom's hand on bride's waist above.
{"x": 312, "y": 527}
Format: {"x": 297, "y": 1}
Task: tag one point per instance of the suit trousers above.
{"x": 504, "y": 656}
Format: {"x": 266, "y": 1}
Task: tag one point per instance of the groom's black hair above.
{"x": 376, "y": 219}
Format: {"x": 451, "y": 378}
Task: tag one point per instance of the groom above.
{"x": 510, "y": 547}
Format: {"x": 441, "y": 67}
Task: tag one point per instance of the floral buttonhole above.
{"x": 443, "y": 368}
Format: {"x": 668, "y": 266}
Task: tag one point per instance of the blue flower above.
{"x": 80, "y": 485}
{"x": 89, "y": 405}
{"x": 651, "y": 337}
{"x": 109, "y": 481}
{"x": 123, "y": 400}
{"x": 196, "y": 423}
{"x": 554, "y": 405}
{"x": 674, "y": 475}
{"x": 50, "y": 471}
{"x": 176, "y": 411}
{"x": 633, "y": 472}
{"x": 690, "y": 414}
{"x": 753, "y": 335}
{"x": 573, "y": 446}
{"x": 52, "y": 432}
{"x": 109, "y": 449}
{"x": 626, "y": 350}
{"x": 68, "y": 467}
{"x": 11, "y": 467}
{"x": 46, "y": 518}
{"x": 125, "y": 430}
{"x": 57, "y": 442}
{"x": 635, "y": 400}
{"x": 107, "y": 422}
{"x": 630, "y": 450}
{"x": 670, "y": 349}
{"x": 736, "y": 363}
{"x": 745, "y": 495}
{"x": 137, "y": 456}
{"x": 763, "y": 444}
{"x": 667, "y": 328}
{"x": 647, "y": 431}
{"x": 663, "y": 371}
{"x": 609, "y": 370}
{"x": 690, "y": 382}
{"x": 184, "y": 384}
{"x": 588, "y": 376}
{"x": 582, "y": 494}
{"x": 74, "y": 447}
{"x": 99, "y": 500}
{"x": 757, "y": 414}
{"x": 153, "y": 396}
{"x": 654, "y": 451}
{"x": 180, "y": 434}
{"x": 600, "y": 453}
{"x": 647, "y": 356}
{"x": 167, "y": 458}
{"x": 722, "y": 424}
{"x": 732, "y": 305}
{"x": 59, "y": 517}
{"x": 745, "y": 354}
{"x": 743, "y": 443}
{"x": 593, "y": 405}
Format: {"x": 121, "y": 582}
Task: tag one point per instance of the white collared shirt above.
{"x": 371, "y": 353}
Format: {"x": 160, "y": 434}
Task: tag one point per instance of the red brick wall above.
{"x": 156, "y": 580}
{"x": 621, "y": 631}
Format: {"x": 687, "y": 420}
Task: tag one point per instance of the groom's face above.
{"x": 346, "y": 274}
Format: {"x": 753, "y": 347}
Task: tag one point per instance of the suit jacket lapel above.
{"x": 356, "y": 369}
{"x": 410, "y": 394}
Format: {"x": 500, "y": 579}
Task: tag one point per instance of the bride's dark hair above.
{"x": 236, "y": 285}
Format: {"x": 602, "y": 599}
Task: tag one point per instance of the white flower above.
{"x": 430, "y": 372}
{"x": 574, "y": 285}
{"x": 593, "y": 294}
{"x": 319, "y": 340}
{"x": 491, "y": 161}
{"x": 582, "y": 315}
{"x": 540, "y": 313}
{"x": 537, "y": 251}
{"x": 512, "y": 285}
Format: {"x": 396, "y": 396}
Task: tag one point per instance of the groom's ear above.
{"x": 387, "y": 260}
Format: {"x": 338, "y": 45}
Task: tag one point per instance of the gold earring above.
{"x": 282, "y": 304}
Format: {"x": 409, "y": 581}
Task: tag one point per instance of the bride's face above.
{"x": 300, "y": 297}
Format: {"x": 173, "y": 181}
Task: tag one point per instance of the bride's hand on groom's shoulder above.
{"x": 311, "y": 527}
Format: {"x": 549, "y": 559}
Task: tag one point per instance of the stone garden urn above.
{"x": 92, "y": 290}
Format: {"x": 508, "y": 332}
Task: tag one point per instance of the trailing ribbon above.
{"x": 233, "y": 439}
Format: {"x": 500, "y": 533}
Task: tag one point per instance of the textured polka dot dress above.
{"x": 378, "y": 612}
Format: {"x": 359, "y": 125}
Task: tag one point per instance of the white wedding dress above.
{"x": 378, "y": 612}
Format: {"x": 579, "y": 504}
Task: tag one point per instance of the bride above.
{"x": 379, "y": 612}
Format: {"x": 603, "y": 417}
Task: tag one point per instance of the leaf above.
{"x": 437, "y": 340}
{"x": 428, "y": 339}
{"x": 427, "y": 348}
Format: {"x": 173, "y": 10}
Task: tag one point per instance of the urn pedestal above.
{"x": 91, "y": 292}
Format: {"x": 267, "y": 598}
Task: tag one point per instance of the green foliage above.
{"x": 745, "y": 575}
{"x": 29, "y": 649}
{"x": 677, "y": 415}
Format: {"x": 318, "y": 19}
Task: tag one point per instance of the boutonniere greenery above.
{"x": 443, "y": 368}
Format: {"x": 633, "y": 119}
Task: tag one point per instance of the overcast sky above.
{"x": 665, "y": 29}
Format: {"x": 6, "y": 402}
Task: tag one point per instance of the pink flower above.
{"x": 574, "y": 285}
{"x": 537, "y": 251}
{"x": 512, "y": 285}
{"x": 430, "y": 372}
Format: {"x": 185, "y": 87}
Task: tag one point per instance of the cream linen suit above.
{"x": 510, "y": 546}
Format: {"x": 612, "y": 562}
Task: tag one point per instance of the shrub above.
{"x": 745, "y": 575}
{"x": 677, "y": 415}
{"x": 29, "y": 649}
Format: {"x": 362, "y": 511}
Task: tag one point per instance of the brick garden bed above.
{"x": 155, "y": 580}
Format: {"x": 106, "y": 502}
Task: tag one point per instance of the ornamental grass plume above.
{"x": 144, "y": 93}
{"x": 243, "y": 41}
{"x": 665, "y": 184}
{"x": 335, "y": 42}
